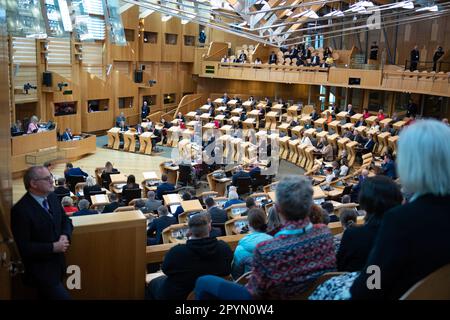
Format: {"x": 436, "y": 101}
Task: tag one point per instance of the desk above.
{"x": 292, "y": 111}
{"x": 170, "y": 199}
{"x": 351, "y": 149}
{"x": 356, "y": 117}
{"x": 173, "y": 135}
{"x": 118, "y": 178}
{"x": 334, "y": 126}
{"x": 318, "y": 193}
{"x": 191, "y": 115}
{"x": 145, "y": 143}
{"x": 99, "y": 200}
{"x": 284, "y": 147}
{"x": 236, "y": 111}
{"x": 293, "y": 153}
{"x": 347, "y": 126}
{"x": 385, "y": 121}
{"x": 150, "y": 175}
{"x": 284, "y": 127}
{"x": 129, "y": 140}
{"x": 305, "y": 119}
{"x": 341, "y": 145}
{"x": 205, "y": 118}
{"x": 371, "y": 120}
{"x": 220, "y": 118}
{"x": 320, "y": 123}
{"x": 191, "y": 205}
{"x": 171, "y": 172}
{"x": 296, "y": 130}
{"x": 271, "y": 119}
{"x": 221, "y": 185}
{"x": 232, "y": 102}
{"x": 221, "y": 109}
{"x": 205, "y": 108}
{"x": 277, "y": 107}
{"x": 247, "y": 103}
{"x": 225, "y": 129}
{"x": 249, "y": 124}
{"x": 342, "y": 115}
{"x": 192, "y": 124}
{"x": 75, "y": 149}
{"x": 399, "y": 124}
{"x": 113, "y": 138}
{"x": 392, "y": 143}
{"x": 218, "y": 101}
{"x": 383, "y": 142}
{"x": 234, "y": 120}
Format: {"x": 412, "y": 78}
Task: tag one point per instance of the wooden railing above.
{"x": 190, "y": 102}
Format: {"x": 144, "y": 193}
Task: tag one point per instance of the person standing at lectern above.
{"x": 42, "y": 232}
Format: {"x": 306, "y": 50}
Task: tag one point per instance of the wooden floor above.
{"x": 127, "y": 162}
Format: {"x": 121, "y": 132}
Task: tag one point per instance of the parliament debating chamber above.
{"x": 226, "y": 150}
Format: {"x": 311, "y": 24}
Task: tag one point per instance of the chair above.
{"x": 73, "y": 180}
{"x": 130, "y": 194}
{"x": 313, "y": 286}
{"x": 435, "y": 286}
{"x": 61, "y": 196}
{"x": 260, "y": 181}
{"x": 185, "y": 175}
{"x": 243, "y": 185}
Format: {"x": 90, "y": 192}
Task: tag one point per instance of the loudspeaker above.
{"x": 47, "y": 79}
{"x": 138, "y": 76}
{"x": 354, "y": 81}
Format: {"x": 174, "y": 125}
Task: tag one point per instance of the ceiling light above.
{"x": 185, "y": 21}
{"x": 402, "y": 4}
{"x": 165, "y": 18}
{"x": 336, "y": 13}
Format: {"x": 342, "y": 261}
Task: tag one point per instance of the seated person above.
{"x": 17, "y": 127}
{"x": 388, "y": 166}
{"x": 71, "y": 171}
{"x": 67, "y": 204}
{"x": 163, "y": 187}
{"x": 90, "y": 186}
{"x": 180, "y": 117}
{"x": 131, "y": 185}
{"x": 243, "y": 254}
{"x": 184, "y": 197}
{"x": 233, "y": 197}
{"x": 380, "y": 115}
{"x": 368, "y": 146}
{"x": 327, "y": 150}
{"x": 184, "y": 263}
{"x": 156, "y": 227}
{"x": 314, "y": 115}
{"x": 123, "y": 126}
{"x": 33, "y": 126}
{"x": 377, "y": 196}
{"x": 61, "y": 188}
{"x": 250, "y": 204}
{"x": 329, "y": 177}
{"x": 120, "y": 118}
{"x": 67, "y": 135}
{"x": 273, "y": 58}
{"x": 242, "y": 57}
{"x": 106, "y": 174}
{"x": 225, "y": 98}
{"x": 329, "y": 208}
{"x": 240, "y": 173}
{"x": 255, "y": 172}
{"x": 315, "y": 61}
{"x": 375, "y": 125}
{"x": 357, "y": 187}
{"x": 217, "y": 214}
{"x": 83, "y": 205}
{"x": 152, "y": 204}
{"x": 113, "y": 205}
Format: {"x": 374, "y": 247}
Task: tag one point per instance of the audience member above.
{"x": 273, "y": 58}
{"x": 163, "y": 187}
{"x": 329, "y": 208}
{"x": 61, "y": 188}
{"x": 436, "y": 56}
{"x": 184, "y": 263}
{"x": 156, "y": 227}
{"x": 121, "y": 118}
{"x": 83, "y": 206}
{"x": 89, "y": 187}
{"x": 273, "y": 221}
{"x": 414, "y": 239}
{"x": 250, "y": 204}
{"x": 33, "y": 126}
{"x": 71, "y": 171}
{"x": 243, "y": 254}
{"x": 67, "y": 135}
{"x": 217, "y": 214}
{"x": 152, "y": 204}
{"x": 233, "y": 198}
{"x": 377, "y": 196}
{"x": 113, "y": 205}
{"x": 106, "y": 174}
{"x": 415, "y": 57}
{"x": 67, "y": 204}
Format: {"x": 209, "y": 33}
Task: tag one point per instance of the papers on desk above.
{"x": 119, "y": 185}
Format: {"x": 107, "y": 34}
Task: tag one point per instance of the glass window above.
{"x": 151, "y": 100}
{"x": 356, "y": 98}
{"x": 189, "y": 41}
{"x": 171, "y": 38}
{"x": 435, "y": 106}
{"x": 150, "y": 37}
{"x": 65, "y": 108}
{"x": 125, "y": 102}
{"x": 169, "y": 98}
{"x": 98, "y": 105}
{"x": 379, "y": 100}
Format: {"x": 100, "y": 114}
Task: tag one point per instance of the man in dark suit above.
{"x": 156, "y": 227}
{"x": 217, "y": 215}
{"x": 240, "y": 173}
{"x": 120, "y": 118}
{"x": 388, "y": 166}
{"x": 42, "y": 232}
{"x": 61, "y": 189}
{"x": 145, "y": 110}
{"x": 71, "y": 171}
{"x": 411, "y": 109}
{"x": 273, "y": 58}
{"x": 113, "y": 205}
{"x": 67, "y": 135}
{"x": 84, "y": 205}
{"x": 163, "y": 187}
{"x": 368, "y": 146}
{"x": 415, "y": 56}
{"x": 315, "y": 61}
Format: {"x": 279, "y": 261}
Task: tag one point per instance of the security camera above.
{"x": 28, "y": 86}
{"x": 61, "y": 85}
{"x": 151, "y": 83}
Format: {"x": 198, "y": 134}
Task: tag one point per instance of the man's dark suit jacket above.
{"x": 84, "y": 212}
{"x": 162, "y": 188}
{"x": 34, "y": 231}
{"x": 239, "y": 174}
{"x": 369, "y": 145}
{"x": 75, "y": 172}
{"x": 111, "y": 207}
{"x": 218, "y": 215}
{"x": 272, "y": 58}
{"x": 158, "y": 225}
{"x": 61, "y": 190}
